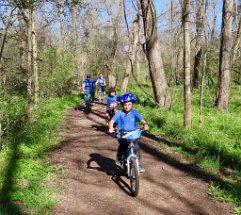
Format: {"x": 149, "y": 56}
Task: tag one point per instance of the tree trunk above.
{"x": 153, "y": 53}
{"x": 25, "y": 42}
{"x": 76, "y": 46}
{"x": 109, "y": 66}
{"x": 34, "y": 61}
{"x": 138, "y": 69}
{"x": 29, "y": 60}
{"x": 186, "y": 65}
{"x": 132, "y": 55}
{"x": 200, "y": 120}
{"x": 198, "y": 59}
{"x": 5, "y": 33}
{"x": 236, "y": 44}
{"x": 177, "y": 59}
{"x": 222, "y": 94}
{"x": 213, "y": 31}
{"x": 62, "y": 29}
{"x": 173, "y": 39}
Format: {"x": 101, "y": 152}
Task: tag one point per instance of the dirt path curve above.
{"x": 92, "y": 183}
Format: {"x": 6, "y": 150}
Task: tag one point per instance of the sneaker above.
{"x": 141, "y": 169}
{"x": 92, "y": 103}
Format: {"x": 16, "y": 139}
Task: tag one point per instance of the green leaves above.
{"x": 25, "y": 172}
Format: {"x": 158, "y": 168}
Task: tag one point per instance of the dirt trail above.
{"x": 92, "y": 184}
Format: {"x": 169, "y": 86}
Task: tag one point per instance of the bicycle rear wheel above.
{"x": 87, "y": 109}
{"x": 134, "y": 177}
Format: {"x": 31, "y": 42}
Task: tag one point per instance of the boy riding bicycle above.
{"x": 127, "y": 120}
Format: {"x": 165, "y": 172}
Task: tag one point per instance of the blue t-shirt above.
{"x": 109, "y": 100}
{"x": 127, "y": 122}
{"x": 89, "y": 84}
{"x": 101, "y": 81}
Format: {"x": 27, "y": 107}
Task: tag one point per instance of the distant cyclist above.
{"x": 101, "y": 84}
{"x": 88, "y": 88}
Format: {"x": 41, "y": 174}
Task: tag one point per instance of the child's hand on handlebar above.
{"x": 111, "y": 130}
{"x": 146, "y": 127}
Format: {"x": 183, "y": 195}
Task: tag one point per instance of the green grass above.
{"x": 25, "y": 172}
{"x": 216, "y": 146}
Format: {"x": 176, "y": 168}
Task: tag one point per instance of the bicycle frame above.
{"x": 131, "y": 161}
{"x": 131, "y": 154}
{"x": 131, "y": 137}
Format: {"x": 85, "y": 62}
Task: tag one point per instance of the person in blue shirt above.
{"x": 88, "y": 88}
{"x": 127, "y": 120}
{"x": 112, "y": 102}
{"x": 101, "y": 84}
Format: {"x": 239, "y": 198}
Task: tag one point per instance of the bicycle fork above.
{"x": 128, "y": 160}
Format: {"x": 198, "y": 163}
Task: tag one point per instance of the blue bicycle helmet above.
{"x": 127, "y": 97}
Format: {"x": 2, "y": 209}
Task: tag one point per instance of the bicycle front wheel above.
{"x": 134, "y": 177}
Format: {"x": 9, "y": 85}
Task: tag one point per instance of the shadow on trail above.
{"x": 7, "y": 206}
{"x": 98, "y": 113}
{"x": 102, "y": 128}
{"x": 92, "y": 111}
{"x": 169, "y": 143}
{"x": 190, "y": 168}
{"x": 108, "y": 166}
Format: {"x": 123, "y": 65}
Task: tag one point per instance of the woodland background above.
{"x": 180, "y": 57}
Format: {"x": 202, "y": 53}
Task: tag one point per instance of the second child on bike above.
{"x": 127, "y": 120}
{"x": 112, "y": 102}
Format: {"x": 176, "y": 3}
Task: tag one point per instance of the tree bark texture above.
{"x": 34, "y": 61}
{"x": 186, "y": 64}
{"x": 62, "y": 29}
{"x": 198, "y": 59}
{"x": 25, "y": 43}
{"x": 111, "y": 76}
{"x": 76, "y": 46}
{"x": 138, "y": 69}
{"x": 222, "y": 94}
{"x": 132, "y": 55}
{"x": 153, "y": 53}
{"x": 200, "y": 119}
{"x": 213, "y": 31}
{"x": 236, "y": 44}
{"x": 5, "y": 32}
{"x": 29, "y": 84}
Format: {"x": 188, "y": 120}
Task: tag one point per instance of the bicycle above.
{"x": 101, "y": 93}
{"x": 129, "y": 160}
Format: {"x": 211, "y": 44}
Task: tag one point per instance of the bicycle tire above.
{"x": 101, "y": 95}
{"x": 87, "y": 109}
{"x": 134, "y": 177}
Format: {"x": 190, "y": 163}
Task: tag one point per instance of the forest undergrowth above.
{"x": 215, "y": 146}
{"x": 25, "y": 171}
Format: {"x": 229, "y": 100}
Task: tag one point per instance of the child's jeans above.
{"x": 123, "y": 145}
{"x": 86, "y": 95}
